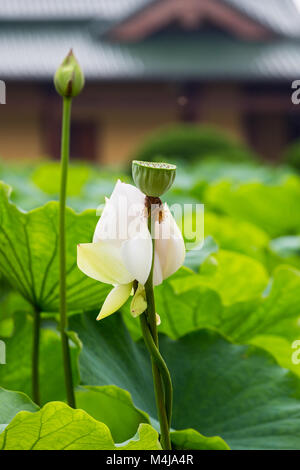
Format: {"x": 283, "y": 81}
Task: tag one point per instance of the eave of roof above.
{"x": 34, "y": 53}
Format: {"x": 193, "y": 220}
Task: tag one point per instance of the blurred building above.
{"x": 149, "y": 63}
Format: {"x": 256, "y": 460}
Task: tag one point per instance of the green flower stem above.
{"x": 159, "y": 361}
{"x": 161, "y": 375}
{"x": 35, "y": 356}
{"x": 65, "y": 148}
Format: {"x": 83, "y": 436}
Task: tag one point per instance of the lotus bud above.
{"x": 69, "y": 79}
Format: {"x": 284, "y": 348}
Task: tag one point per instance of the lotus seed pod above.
{"x": 153, "y": 179}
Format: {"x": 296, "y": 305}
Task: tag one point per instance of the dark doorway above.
{"x": 83, "y": 140}
{"x": 83, "y": 144}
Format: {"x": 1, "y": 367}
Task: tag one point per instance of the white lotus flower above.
{"x": 121, "y": 251}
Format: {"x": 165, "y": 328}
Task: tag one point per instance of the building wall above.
{"x": 221, "y": 106}
{"x": 122, "y": 132}
{"x": 110, "y": 120}
{"x": 20, "y": 127}
{"x": 268, "y": 134}
{"x": 125, "y": 114}
{"x": 122, "y": 115}
{"x": 20, "y": 138}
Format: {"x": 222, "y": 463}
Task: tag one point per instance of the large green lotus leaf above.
{"x": 271, "y": 322}
{"x": 275, "y": 314}
{"x": 236, "y": 235}
{"x": 285, "y": 250}
{"x": 29, "y": 255}
{"x": 25, "y": 192}
{"x": 46, "y": 176}
{"x": 275, "y": 209}
{"x": 235, "y": 277}
{"x": 16, "y": 373}
{"x": 13, "y": 402}
{"x": 59, "y": 427}
{"x": 194, "y": 258}
{"x": 281, "y": 349}
{"x": 112, "y": 406}
{"x": 11, "y": 301}
{"x": 213, "y": 169}
{"x": 237, "y": 392}
{"x": 124, "y": 364}
{"x": 86, "y": 189}
{"x": 230, "y": 234}
{"x": 243, "y": 395}
{"x": 191, "y": 439}
{"x": 35, "y": 185}
{"x": 109, "y": 352}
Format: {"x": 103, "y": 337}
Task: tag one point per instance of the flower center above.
{"x": 157, "y": 165}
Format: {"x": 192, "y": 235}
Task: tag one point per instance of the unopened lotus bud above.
{"x": 153, "y": 179}
{"x": 69, "y": 79}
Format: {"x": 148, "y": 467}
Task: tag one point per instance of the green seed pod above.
{"x": 69, "y": 79}
{"x": 153, "y": 179}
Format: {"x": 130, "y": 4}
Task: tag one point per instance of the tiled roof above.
{"x": 68, "y": 9}
{"x": 35, "y": 53}
{"x": 31, "y": 46}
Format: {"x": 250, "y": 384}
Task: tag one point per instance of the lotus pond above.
{"x": 229, "y": 331}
